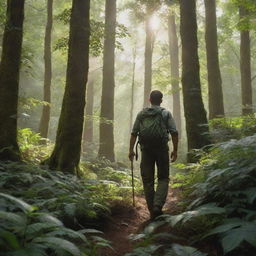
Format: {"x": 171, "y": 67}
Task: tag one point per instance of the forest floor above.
{"x": 131, "y": 220}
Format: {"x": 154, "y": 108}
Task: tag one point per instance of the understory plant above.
{"x": 25, "y": 231}
{"x": 222, "y": 209}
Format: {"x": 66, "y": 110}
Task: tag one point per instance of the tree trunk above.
{"x": 45, "y": 118}
{"x": 174, "y": 60}
{"x": 195, "y": 114}
{"x": 9, "y": 80}
{"x": 133, "y": 85}
{"x": 216, "y": 105}
{"x": 245, "y": 66}
{"x": 148, "y": 61}
{"x": 88, "y": 124}
{"x": 66, "y": 153}
{"x": 106, "y": 148}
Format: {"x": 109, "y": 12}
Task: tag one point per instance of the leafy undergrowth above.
{"x": 219, "y": 200}
{"x": 45, "y": 212}
{"x": 224, "y": 129}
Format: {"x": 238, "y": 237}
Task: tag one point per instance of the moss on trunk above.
{"x": 66, "y": 153}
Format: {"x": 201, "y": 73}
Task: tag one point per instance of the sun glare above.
{"x": 154, "y": 22}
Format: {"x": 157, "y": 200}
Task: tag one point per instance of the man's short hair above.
{"x": 156, "y": 97}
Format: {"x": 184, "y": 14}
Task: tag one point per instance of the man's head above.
{"x": 156, "y": 97}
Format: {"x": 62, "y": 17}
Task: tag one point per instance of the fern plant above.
{"x": 228, "y": 192}
{"x": 25, "y": 231}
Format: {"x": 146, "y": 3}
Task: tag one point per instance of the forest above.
{"x": 74, "y": 74}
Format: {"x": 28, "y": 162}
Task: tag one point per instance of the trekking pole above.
{"x": 133, "y": 198}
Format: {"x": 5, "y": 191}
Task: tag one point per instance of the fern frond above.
{"x": 20, "y": 203}
{"x": 59, "y": 243}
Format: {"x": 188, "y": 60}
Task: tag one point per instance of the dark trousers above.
{"x": 150, "y": 157}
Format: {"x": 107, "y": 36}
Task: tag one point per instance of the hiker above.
{"x": 152, "y": 127}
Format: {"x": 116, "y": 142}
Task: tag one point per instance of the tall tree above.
{"x": 106, "y": 148}
{"x": 174, "y": 60}
{"x": 195, "y": 114}
{"x": 149, "y": 45}
{"x": 9, "y": 79}
{"x": 45, "y": 118}
{"x": 245, "y": 64}
{"x": 133, "y": 85}
{"x": 216, "y": 105}
{"x": 88, "y": 123}
{"x": 66, "y": 153}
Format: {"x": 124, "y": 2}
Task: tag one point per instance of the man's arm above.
{"x": 175, "y": 140}
{"x": 131, "y": 150}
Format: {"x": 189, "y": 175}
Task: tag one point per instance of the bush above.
{"x": 222, "y": 208}
{"x": 224, "y": 129}
{"x": 24, "y": 231}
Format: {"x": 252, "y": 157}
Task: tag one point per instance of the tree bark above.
{"x": 149, "y": 44}
{"x": 66, "y": 153}
{"x": 216, "y": 105}
{"x": 88, "y": 124}
{"x": 195, "y": 114}
{"x": 133, "y": 86}
{"x": 106, "y": 148}
{"x": 45, "y": 118}
{"x": 9, "y": 80}
{"x": 245, "y": 66}
{"x": 174, "y": 60}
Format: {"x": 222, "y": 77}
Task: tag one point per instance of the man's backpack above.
{"x": 153, "y": 130}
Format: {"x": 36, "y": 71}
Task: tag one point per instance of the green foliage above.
{"x": 28, "y": 103}
{"x": 149, "y": 244}
{"x": 25, "y": 231}
{"x": 222, "y": 200}
{"x": 66, "y": 196}
{"x": 113, "y": 182}
{"x": 224, "y": 129}
{"x": 228, "y": 191}
{"x": 97, "y": 34}
{"x": 142, "y": 8}
{"x": 32, "y": 147}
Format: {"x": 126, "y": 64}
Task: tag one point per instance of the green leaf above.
{"x": 181, "y": 250}
{"x": 234, "y": 237}
{"x": 205, "y": 209}
{"x": 225, "y": 227}
{"x": 13, "y": 217}
{"x": 54, "y": 242}
{"x": 21, "y": 204}
{"x": 69, "y": 233}
{"x": 39, "y": 227}
{"x": 11, "y": 239}
{"x": 90, "y": 231}
{"x": 50, "y": 219}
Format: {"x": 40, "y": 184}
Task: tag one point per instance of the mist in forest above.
{"x": 136, "y": 25}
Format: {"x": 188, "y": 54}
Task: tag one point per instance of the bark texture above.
{"x": 216, "y": 105}
{"x": 9, "y": 80}
{"x": 195, "y": 114}
{"x": 66, "y": 153}
{"x": 174, "y": 60}
{"x": 45, "y": 118}
{"x": 88, "y": 124}
{"x": 106, "y": 148}
{"x": 245, "y": 66}
{"x": 149, "y": 45}
{"x": 133, "y": 86}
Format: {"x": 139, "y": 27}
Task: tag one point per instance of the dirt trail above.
{"x": 127, "y": 221}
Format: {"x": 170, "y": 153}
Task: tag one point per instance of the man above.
{"x": 153, "y": 126}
